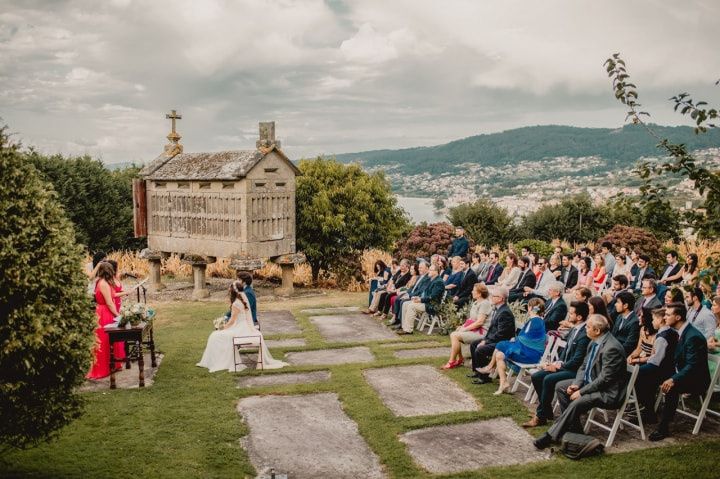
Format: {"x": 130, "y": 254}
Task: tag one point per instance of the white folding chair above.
{"x": 247, "y": 344}
{"x": 704, "y": 400}
{"x": 432, "y": 320}
{"x": 526, "y": 369}
{"x": 630, "y": 397}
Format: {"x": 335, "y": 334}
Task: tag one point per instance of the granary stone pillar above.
{"x": 155, "y": 260}
{"x": 199, "y": 267}
{"x": 287, "y": 264}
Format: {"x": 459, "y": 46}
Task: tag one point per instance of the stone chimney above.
{"x": 267, "y": 135}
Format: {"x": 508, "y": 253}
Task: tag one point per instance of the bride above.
{"x": 219, "y": 352}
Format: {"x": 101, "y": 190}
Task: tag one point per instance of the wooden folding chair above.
{"x": 704, "y": 400}
{"x": 247, "y": 344}
{"x": 630, "y": 397}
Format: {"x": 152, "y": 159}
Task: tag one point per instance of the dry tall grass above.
{"x": 705, "y": 249}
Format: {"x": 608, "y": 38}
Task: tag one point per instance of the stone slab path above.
{"x": 360, "y": 354}
{"x": 284, "y": 379}
{"x": 278, "y": 322}
{"x": 285, "y": 343}
{"x": 339, "y": 310}
{"x": 422, "y": 353}
{"x": 418, "y": 391}
{"x": 351, "y": 328}
{"x": 463, "y": 447}
{"x": 306, "y": 436}
{"x": 409, "y": 344}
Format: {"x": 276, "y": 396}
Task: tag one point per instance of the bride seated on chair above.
{"x": 219, "y": 353}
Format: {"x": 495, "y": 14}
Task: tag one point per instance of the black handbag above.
{"x": 577, "y": 446}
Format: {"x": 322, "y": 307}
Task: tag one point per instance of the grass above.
{"x": 186, "y": 424}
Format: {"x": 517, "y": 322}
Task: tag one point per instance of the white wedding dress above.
{"x": 218, "y": 353}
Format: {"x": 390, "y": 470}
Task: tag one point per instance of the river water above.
{"x": 420, "y": 209}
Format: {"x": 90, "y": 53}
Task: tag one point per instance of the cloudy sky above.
{"x": 97, "y": 77}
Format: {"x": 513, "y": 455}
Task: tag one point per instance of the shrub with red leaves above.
{"x": 633, "y": 238}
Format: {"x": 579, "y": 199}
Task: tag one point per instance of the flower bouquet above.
{"x": 135, "y": 314}
{"x": 219, "y": 322}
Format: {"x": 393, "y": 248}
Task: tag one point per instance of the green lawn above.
{"x": 186, "y": 425}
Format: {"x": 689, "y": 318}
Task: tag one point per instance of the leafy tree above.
{"x": 705, "y": 220}
{"x": 575, "y": 219}
{"x": 485, "y": 222}
{"x": 654, "y": 213}
{"x": 342, "y": 210}
{"x": 542, "y": 248}
{"x": 425, "y": 240}
{"x": 98, "y": 201}
{"x": 46, "y": 331}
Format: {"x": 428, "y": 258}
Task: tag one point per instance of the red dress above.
{"x": 101, "y": 364}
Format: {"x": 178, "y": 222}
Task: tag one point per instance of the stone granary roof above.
{"x": 219, "y": 165}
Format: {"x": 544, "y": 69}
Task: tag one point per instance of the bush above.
{"x": 485, "y": 222}
{"x": 575, "y": 220}
{"x": 542, "y": 248}
{"x": 46, "y": 332}
{"x": 425, "y": 240}
{"x": 633, "y": 238}
{"x": 342, "y": 211}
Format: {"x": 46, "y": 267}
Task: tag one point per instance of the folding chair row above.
{"x": 551, "y": 354}
{"x": 704, "y": 399}
{"x": 432, "y": 320}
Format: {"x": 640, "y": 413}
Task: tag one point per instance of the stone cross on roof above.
{"x": 174, "y": 147}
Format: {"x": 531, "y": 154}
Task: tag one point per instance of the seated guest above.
{"x": 460, "y": 245}
{"x": 627, "y": 327}
{"x": 474, "y": 328}
{"x": 495, "y": 269}
{"x": 714, "y": 342}
{"x": 502, "y": 328}
{"x": 554, "y": 266}
{"x": 672, "y": 274}
{"x": 511, "y": 273}
{"x": 569, "y": 273}
{"x": 527, "y": 347}
{"x": 673, "y": 295}
{"x": 692, "y": 375}
{"x": 622, "y": 266}
{"x": 556, "y": 309}
{"x": 544, "y": 278}
{"x": 619, "y": 283}
{"x": 468, "y": 281}
{"x": 608, "y": 258}
{"x": 382, "y": 275}
{"x": 526, "y": 278}
{"x": 689, "y": 272}
{"x": 421, "y": 284}
{"x": 401, "y": 291}
{"x": 399, "y": 280}
{"x": 597, "y": 306}
{"x": 698, "y": 315}
{"x": 643, "y": 270}
{"x": 427, "y": 302}
{"x": 586, "y": 252}
{"x": 246, "y": 280}
{"x": 599, "y": 273}
{"x": 585, "y": 275}
{"x": 480, "y": 263}
{"x": 601, "y": 381}
{"x": 569, "y": 360}
{"x": 648, "y": 299}
{"x": 452, "y": 281}
{"x": 656, "y": 355}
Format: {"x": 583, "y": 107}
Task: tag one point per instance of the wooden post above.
{"x": 139, "y": 208}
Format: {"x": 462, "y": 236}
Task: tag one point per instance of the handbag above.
{"x": 577, "y": 446}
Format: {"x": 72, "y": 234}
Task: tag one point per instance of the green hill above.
{"x": 621, "y": 147}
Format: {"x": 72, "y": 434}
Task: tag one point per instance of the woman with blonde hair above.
{"x": 474, "y": 328}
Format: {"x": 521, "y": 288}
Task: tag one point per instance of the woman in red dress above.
{"x": 106, "y": 312}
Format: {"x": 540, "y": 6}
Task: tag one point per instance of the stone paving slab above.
{"x": 278, "y": 322}
{"x": 411, "y": 344}
{"x": 126, "y": 378}
{"x": 338, "y": 310}
{"x": 475, "y": 445}
{"x": 422, "y": 353}
{"x": 284, "y": 379}
{"x": 358, "y": 354}
{"x": 285, "y": 343}
{"x": 351, "y": 328}
{"x": 418, "y": 391}
{"x": 306, "y": 436}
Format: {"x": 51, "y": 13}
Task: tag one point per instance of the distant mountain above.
{"x": 620, "y": 147}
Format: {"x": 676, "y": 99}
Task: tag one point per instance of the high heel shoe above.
{"x": 504, "y": 388}
{"x": 485, "y": 370}
{"x": 453, "y": 364}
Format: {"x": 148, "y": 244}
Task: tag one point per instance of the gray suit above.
{"x": 606, "y": 389}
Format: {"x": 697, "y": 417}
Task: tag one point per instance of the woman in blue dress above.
{"x": 527, "y": 347}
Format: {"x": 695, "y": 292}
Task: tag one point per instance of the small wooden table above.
{"x": 139, "y": 335}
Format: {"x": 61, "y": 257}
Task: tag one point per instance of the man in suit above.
{"x": 502, "y": 328}
{"x": 569, "y": 273}
{"x": 527, "y": 278}
{"x": 246, "y": 279}
{"x": 643, "y": 269}
{"x": 464, "y": 291}
{"x": 543, "y": 280}
{"x": 692, "y": 374}
{"x": 672, "y": 270}
{"x": 555, "y": 309}
{"x": 626, "y": 328}
{"x": 426, "y": 302}
{"x": 460, "y": 245}
{"x": 601, "y": 381}
{"x": 648, "y": 299}
{"x": 482, "y": 268}
{"x": 569, "y": 361}
{"x": 421, "y": 283}
{"x": 495, "y": 269}
{"x": 619, "y": 284}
